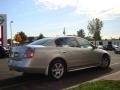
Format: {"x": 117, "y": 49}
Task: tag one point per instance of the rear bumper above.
{"x": 24, "y": 66}
{"x": 27, "y": 69}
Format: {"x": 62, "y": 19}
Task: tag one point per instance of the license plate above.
{"x": 15, "y": 54}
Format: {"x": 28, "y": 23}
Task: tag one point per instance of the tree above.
{"x": 40, "y": 36}
{"x": 94, "y": 27}
{"x": 30, "y": 39}
{"x": 20, "y": 37}
{"x": 17, "y": 37}
{"x": 81, "y": 33}
{"x": 9, "y": 41}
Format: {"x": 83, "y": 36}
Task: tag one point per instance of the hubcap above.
{"x": 105, "y": 62}
{"x": 57, "y": 70}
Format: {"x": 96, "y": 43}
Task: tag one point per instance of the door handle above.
{"x": 64, "y": 52}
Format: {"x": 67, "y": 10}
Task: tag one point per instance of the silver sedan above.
{"x": 56, "y": 56}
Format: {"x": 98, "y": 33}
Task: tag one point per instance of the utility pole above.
{"x": 11, "y": 35}
{"x": 64, "y": 32}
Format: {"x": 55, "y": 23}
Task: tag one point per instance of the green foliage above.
{"x": 23, "y": 36}
{"x": 97, "y": 36}
{"x": 30, "y": 39}
{"x": 9, "y": 41}
{"x": 94, "y": 27}
{"x": 40, "y": 36}
{"x": 20, "y": 37}
{"x": 81, "y": 33}
{"x": 99, "y": 85}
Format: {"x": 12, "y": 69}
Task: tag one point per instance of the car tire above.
{"x": 57, "y": 69}
{"x": 105, "y": 62}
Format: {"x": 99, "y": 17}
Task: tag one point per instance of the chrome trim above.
{"x": 81, "y": 68}
{"x": 46, "y": 71}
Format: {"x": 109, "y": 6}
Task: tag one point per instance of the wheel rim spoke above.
{"x": 105, "y": 62}
{"x": 57, "y": 70}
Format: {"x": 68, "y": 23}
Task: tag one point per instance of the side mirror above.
{"x": 94, "y": 47}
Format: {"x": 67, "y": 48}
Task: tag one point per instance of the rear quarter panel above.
{"x": 44, "y": 55}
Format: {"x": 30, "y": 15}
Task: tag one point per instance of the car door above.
{"x": 68, "y": 47}
{"x": 89, "y": 55}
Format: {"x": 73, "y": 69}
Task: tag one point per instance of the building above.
{"x": 3, "y": 29}
{"x": 106, "y": 42}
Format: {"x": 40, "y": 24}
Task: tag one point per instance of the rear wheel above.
{"x": 105, "y": 62}
{"x": 57, "y": 69}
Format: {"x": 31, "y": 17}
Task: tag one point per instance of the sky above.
{"x": 49, "y": 17}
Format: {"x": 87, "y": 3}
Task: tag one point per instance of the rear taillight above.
{"x": 29, "y": 53}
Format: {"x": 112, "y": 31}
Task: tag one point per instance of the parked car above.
{"x": 100, "y": 47}
{"x": 110, "y": 47}
{"x": 56, "y": 56}
{"x": 117, "y": 50}
{"x": 3, "y": 52}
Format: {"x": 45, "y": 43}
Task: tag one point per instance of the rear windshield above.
{"x": 44, "y": 42}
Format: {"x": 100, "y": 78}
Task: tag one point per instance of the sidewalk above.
{"x": 113, "y": 76}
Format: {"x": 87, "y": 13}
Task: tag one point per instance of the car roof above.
{"x": 59, "y": 37}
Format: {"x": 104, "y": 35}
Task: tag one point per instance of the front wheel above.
{"x": 57, "y": 69}
{"x": 105, "y": 62}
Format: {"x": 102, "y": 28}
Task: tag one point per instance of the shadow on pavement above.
{"x": 41, "y": 82}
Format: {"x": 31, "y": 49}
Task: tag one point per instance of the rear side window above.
{"x": 69, "y": 41}
{"x": 44, "y": 42}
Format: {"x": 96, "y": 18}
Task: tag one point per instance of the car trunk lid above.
{"x": 18, "y": 52}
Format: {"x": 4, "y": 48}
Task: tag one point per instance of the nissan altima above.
{"x": 56, "y": 56}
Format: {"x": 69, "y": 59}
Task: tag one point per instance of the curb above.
{"x": 106, "y": 77}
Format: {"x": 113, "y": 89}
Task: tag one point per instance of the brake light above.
{"x": 29, "y": 53}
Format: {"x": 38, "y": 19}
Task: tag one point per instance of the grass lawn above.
{"x": 99, "y": 85}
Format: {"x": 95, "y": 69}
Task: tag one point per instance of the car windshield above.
{"x": 43, "y": 42}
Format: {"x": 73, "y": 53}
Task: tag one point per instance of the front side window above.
{"x": 84, "y": 43}
{"x": 67, "y": 41}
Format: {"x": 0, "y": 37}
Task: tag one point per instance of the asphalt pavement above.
{"x": 11, "y": 80}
